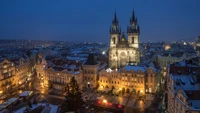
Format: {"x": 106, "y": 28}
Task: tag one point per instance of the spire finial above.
{"x": 133, "y": 16}
{"x": 115, "y": 18}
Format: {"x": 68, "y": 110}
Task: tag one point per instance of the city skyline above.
{"x": 91, "y": 20}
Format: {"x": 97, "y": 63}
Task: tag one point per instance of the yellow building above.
{"x": 58, "y": 75}
{"x": 130, "y": 78}
{"x": 14, "y": 73}
{"x": 8, "y": 83}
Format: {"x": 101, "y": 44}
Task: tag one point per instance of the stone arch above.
{"x": 113, "y": 87}
{"x": 123, "y": 90}
{"x": 127, "y": 90}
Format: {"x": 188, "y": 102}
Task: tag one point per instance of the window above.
{"x": 132, "y": 40}
{"x": 113, "y": 40}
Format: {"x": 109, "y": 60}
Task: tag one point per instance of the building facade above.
{"x": 183, "y": 88}
{"x": 14, "y": 75}
{"x": 141, "y": 80}
{"x": 124, "y": 51}
{"x": 8, "y": 83}
{"x": 91, "y": 72}
{"x": 57, "y": 75}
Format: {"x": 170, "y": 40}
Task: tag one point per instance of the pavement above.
{"x": 128, "y": 100}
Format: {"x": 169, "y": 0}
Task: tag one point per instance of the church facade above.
{"x": 124, "y": 51}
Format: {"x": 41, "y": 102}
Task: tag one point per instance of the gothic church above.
{"x": 124, "y": 51}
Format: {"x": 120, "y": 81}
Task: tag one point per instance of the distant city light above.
{"x": 103, "y": 52}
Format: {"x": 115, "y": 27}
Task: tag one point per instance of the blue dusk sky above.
{"x": 90, "y": 20}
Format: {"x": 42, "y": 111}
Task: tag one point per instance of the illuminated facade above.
{"x": 24, "y": 71}
{"x": 8, "y": 83}
{"x": 14, "y": 74}
{"x": 56, "y": 77}
{"x": 130, "y": 78}
{"x": 90, "y": 72}
{"x": 123, "y": 51}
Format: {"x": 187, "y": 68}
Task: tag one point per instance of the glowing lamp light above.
{"x": 101, "y": 87}
{"x": 20, "y": 82}
{"x": 119, "y": 106}
{"x": 103, "y": 52}
{"x": 104, "y": 101}
{"x": 1, "y": 91}
{"x": 120, "y": 88}
{"x": 141, "y": 91}
{"x": 110, "y": 104}
{"x": 99, "y": 102}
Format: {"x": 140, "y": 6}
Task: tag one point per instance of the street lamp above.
{"x": 104, "y": 101}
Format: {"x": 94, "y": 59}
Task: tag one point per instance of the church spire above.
{"x": 133, "y": 19}
{"x": 115, "y": 21}
{"x": 115, "y": 28}
{"x": 133, "y": 27}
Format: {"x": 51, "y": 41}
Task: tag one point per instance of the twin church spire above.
{"x": 132, "y": 28}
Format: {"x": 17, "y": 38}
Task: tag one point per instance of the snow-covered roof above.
{"x": 11, "y": 100}
{"x": 135, "y": 68}
{"x": 109, "y": 70}
{"x": 26, "y": 93}
{"x": 53, "y": 108}
{"x": 76, "y": 58}
{"x": 195, "y": 104}
{"x": 185, "y": 82}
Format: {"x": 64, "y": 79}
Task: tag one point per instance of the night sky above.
{"x": 89, "y": 20}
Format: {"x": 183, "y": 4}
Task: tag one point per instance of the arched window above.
{"x": 132, "y": 40}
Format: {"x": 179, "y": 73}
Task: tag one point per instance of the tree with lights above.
{"x": 73, "y": 99}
